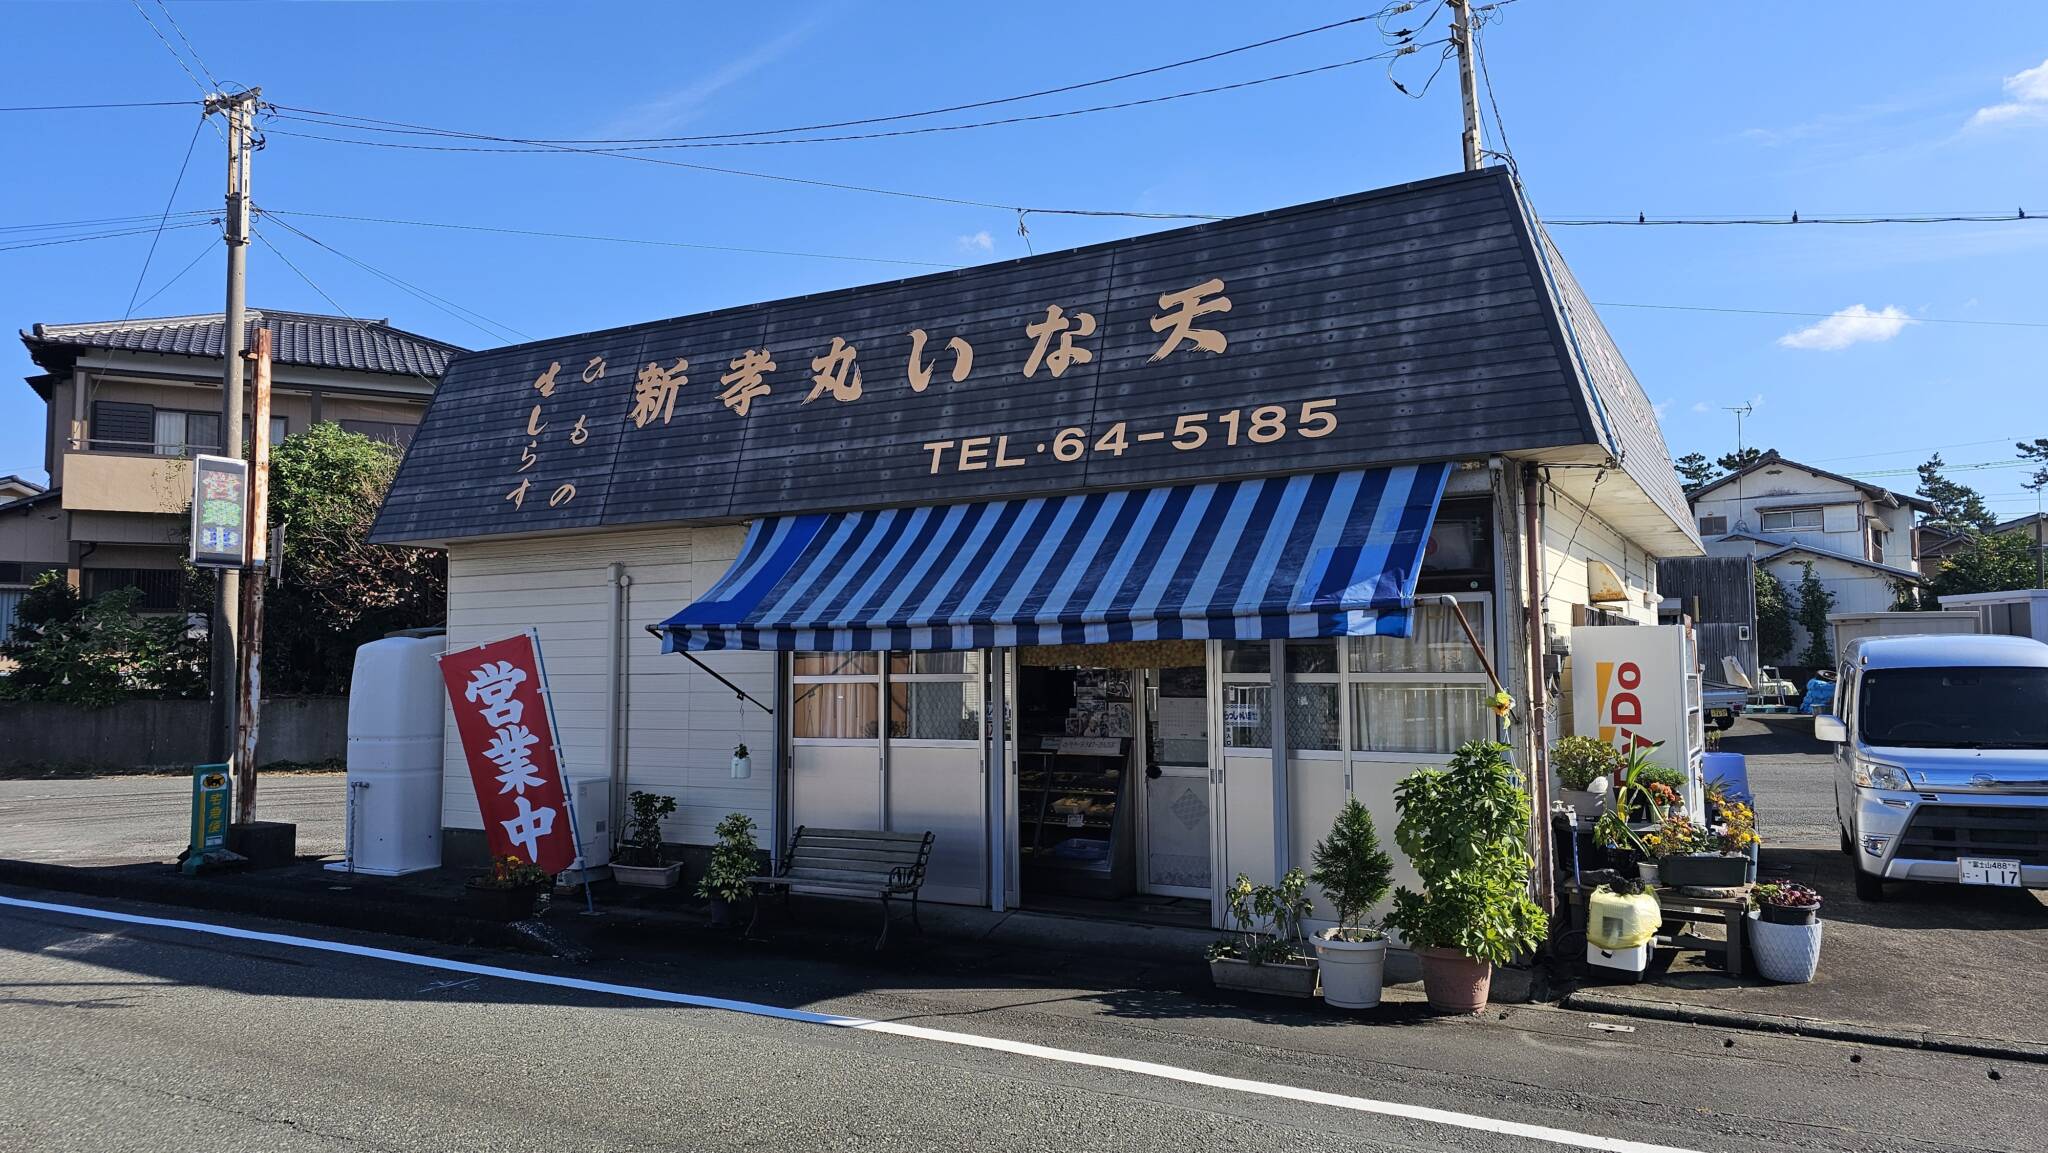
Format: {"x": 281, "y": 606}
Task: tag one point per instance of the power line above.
{"x": 168, "y": 47}
{"x": 1902, "y": 451}
{"x": 105, "y": 220}
{"x": 1645, "y": 221}
{"x": 443, "y": 303}
{"x": 1823, "y": 315}
{"x": 205, "y": 251}
{"x": 47, "y": 242}
{"x": 196, "y": 58}
{"x": 601, "y": 238}
{"x": 900, "y": 116}
{"x": 176, "y": 185}
{"x": 331, "y": 302}
{"x": 633, "y": 147}
{"x": 89, "y": 107}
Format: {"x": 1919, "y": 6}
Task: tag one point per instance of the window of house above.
{"x": 185, "y": 433}
{"x": 1713, "y": 526}
{"x": 1422, "y": 693}
{"x": 835, "y": 696}
{"x": 161, "y": 589}
{"x": 1790, "y": 520}
{"x": 1877, "y": 543}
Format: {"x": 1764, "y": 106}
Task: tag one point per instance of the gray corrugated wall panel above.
{"x": 1420, "y": 309}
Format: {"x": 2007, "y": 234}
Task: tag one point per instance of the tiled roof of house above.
{"x": 298, "y": 338}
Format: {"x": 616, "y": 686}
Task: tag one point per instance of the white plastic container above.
{"x": 395, "y": 706}
{"x": 1619, "y": 964}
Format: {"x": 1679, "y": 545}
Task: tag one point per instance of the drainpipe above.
{"x": 615, "y": 690}
{"x": 1539, "y": 760}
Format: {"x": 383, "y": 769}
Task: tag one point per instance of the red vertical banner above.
{"x": 501, "y": 715}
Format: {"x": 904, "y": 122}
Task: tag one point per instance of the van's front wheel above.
{"x": 1869, "y": 887}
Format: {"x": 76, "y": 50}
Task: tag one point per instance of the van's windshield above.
{"x": 1974, "y": 708}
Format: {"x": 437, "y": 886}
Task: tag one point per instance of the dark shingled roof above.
{"x": 298, "y": 338}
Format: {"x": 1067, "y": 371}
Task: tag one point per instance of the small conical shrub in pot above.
{"x": 1465, "y": 830}
{"x": 1354, "y": 873}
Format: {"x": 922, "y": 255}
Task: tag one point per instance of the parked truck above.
{"x": 1847, "y": 627}
{"x": 1941, "y": 760}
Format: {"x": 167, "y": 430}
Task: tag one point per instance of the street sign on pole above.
{"x": 220, "y": 500}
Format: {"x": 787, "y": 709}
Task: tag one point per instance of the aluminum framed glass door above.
{"x": 1177, "y": 850}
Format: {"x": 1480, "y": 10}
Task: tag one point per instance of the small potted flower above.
{"x": 1784, "y": 934}
{"x": 1269, "y": 960}
{"x": 1585, "y": 767}
{"x": 637, "y": 860}
{"x": 507, "y": 892}
{"x": 1354, "y": 873}
{"x": 1718, "y": 859}
{"x": 735, "y": 862}
{"x": 742, "y": 762}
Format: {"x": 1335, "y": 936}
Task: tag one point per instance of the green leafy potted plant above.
{"x": 1354, "y": 873}
{"x": 1465, "y": 830}
{"x": 1586, "y": 767}
{"x": 507, "y": 892}
{"x": 1716, "y": 859}
{"x": 637, "y": 860}
{"x": 1269, "y": 960}
{"x": 734, "y": 862}
{"x": 1784, "y": 934}
{"x": 742, "y": 762}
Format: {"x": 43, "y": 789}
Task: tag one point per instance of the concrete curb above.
{"x": 1596, "y": 1001}
{"x": 405, "y": 919}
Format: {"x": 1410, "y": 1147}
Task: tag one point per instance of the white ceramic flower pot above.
{"x": 1352, "y": 971}
{"x": 1785, "y": 953}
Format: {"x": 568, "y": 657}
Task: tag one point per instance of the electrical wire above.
{"x": 206, "y": 250}
{"x": 900, "y": 116}
{"x": 441, "y": 302}
{"x": 176, "y": 185}
{"x": 88, "y": 107}
{"x": 105, "y": 220}
{"x": 1009, "y": 120}
{"x": 1823, "y": 315}
{"x": 196, "y": 58}
{"x": 168, "y": 47}
{"x": 1645, "y": 221}
{"x": 604, "y": 239}
{"x": 49, "y": 242}
{"x": 332, "y": 303}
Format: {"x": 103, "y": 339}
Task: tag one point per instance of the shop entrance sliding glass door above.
{"x": 1176, "y": 858}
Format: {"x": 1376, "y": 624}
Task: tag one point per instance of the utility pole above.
{"x": 1468, "y": 82}
{"x": 249, "y": 697}
{"x": 239, "y": 108}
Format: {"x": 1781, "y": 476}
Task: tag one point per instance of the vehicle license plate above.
{"x": 1717, "y": 714}
{"x": 1988, "y": 871}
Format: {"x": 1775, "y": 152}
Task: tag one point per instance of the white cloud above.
{"x": 1852, "y": 325}
{"x": 1662, "y": 407}
{"x": 679, "y": 106}
{"x": 979, "y": 242}
{"x": 1702, "y": 406}
{"x": 2029, "y": 92}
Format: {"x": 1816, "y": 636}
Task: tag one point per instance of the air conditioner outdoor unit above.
{"x": 593, "y": 801}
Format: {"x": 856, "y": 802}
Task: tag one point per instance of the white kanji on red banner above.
{"x": 501, "y": 715}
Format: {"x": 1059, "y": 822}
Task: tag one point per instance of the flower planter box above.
{"x": 648, "y": 876}
{"x": 1285, "y": 980}
{"x": 1789, "y": 954}
{"x": 1704, "y": 870}
{"x": 495, "y": 904}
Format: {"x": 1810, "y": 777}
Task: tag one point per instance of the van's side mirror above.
{"x": 1828, "y": 727}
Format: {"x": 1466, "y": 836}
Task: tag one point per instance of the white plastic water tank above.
{"x": 395, "y": 706}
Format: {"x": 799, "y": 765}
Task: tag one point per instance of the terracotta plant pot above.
{"x": 1454, "y": 982}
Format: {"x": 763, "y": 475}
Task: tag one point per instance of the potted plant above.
{"x": 742, "y": 762}
{"x": 507, "y": 892}
{"x": 1586, "y": 767}
{"x": 1717, "y": 859}
{"x": 734, "y": 862}
{"x": 637, "y": 860}
{"x": 1784, "y": 934}
{"x": 1355, "y": 874}
{"x": 1465, "y": 830}
{"x": 1273, "y": 960}
{"x": 1636, "y": 807}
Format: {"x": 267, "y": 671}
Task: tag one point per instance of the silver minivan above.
{"x": 1941, "y": 760}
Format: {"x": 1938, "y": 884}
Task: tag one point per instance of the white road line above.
{"x": 919, "y": 1032}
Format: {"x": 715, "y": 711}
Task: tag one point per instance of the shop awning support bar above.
{"x": 1450, "y": 602}
{"x": 687, "y": 655}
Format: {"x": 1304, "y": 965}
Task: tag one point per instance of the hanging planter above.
{"x": 742, "y": 763}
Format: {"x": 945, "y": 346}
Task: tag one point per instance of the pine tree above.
{"x": 1740, "y": 459}
{"x": 1958, "y": 508}
{"x": 1815, "y": 602}
{"x": 1695, "y": 471}
{"x": 1350, "y": 865}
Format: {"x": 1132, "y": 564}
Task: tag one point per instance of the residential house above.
{"x": 1858, "y": 536}
{"x": 128, "y": 403}
{"x": 14, "y": 488}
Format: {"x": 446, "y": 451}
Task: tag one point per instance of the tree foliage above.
{"x": 1815, "y": 602}
{"x": 96, "y": 652}
{"x": 1958, "y": 508}
{"x": 1990, "y": 563}
{"x": 2036, "y": 451}
{"x": 1741, "y": 458}
{"x": 1351, "y": 867}
{"x": 1695, "y": 471}
{"x": 1773, "y": 619}
{"x": 338, "y": 591}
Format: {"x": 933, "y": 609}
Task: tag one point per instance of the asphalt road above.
{"x": 1793, "y": 778}
{"x": 124, "y": 1037}
{"x": 114, "y": 820}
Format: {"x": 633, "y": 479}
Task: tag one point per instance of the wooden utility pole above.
{"x": 249, "y": 698}
{"x": 1468, "y": 82}
{"x": 238, "y": 108}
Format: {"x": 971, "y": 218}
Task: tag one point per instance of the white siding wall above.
{"x": 1570, "y": 536}
{"x": 681, "y": 724}
{"x": 1857, "y": 590}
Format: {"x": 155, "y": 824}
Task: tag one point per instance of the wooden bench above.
{"x": 851, "y": 863}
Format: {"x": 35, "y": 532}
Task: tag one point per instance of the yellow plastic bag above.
{"x": 1614, "y": 921}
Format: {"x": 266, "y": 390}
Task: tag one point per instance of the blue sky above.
{"x": 1611, "y": 109}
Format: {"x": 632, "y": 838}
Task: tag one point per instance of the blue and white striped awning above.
{"x": 1331, "y": 554}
